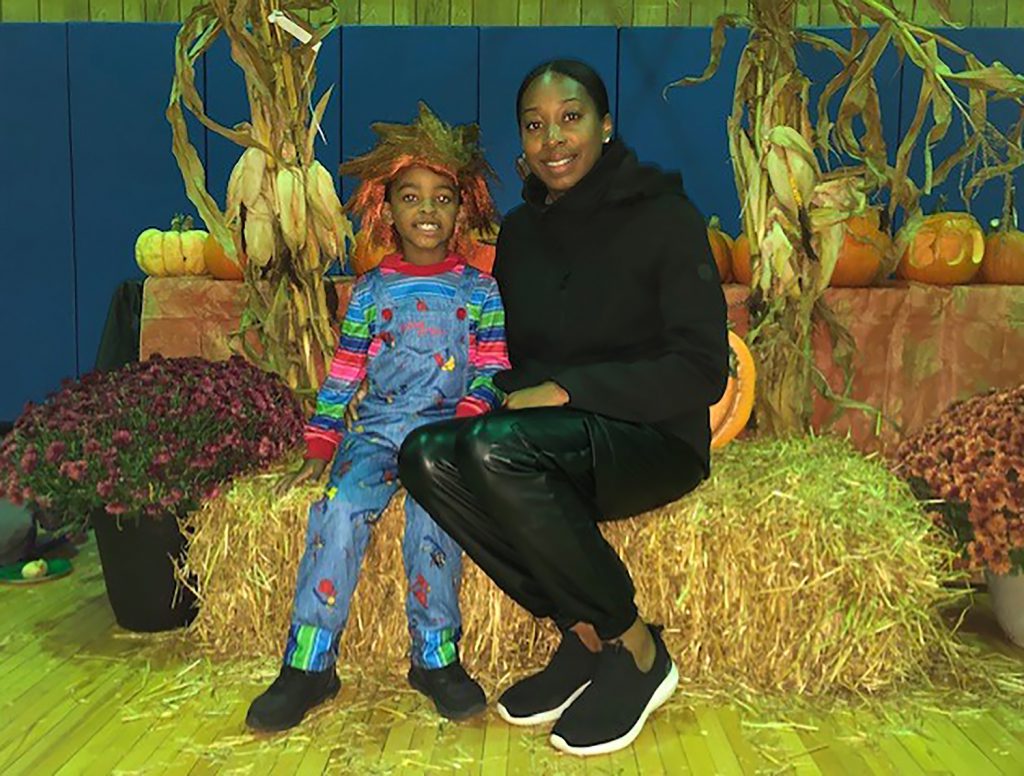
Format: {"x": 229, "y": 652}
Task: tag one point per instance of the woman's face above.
{"x": 561, "y": 131}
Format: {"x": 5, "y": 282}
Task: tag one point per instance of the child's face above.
{"x": 423, "y": 207}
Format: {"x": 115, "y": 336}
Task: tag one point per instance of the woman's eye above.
{"x": 532, "y": 126}
{"x": 572, "y": 116}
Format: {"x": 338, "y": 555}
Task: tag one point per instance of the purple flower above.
{"x": 116, "y": 508}
{"x": 105, "y": 488}
{"x": 74, "y": 470}
{"x": 121, "y": 438}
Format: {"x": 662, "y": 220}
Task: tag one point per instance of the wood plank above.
{"x": 86, "y": 717}
{"x": 1005, "y": 751}
{"x": 650, "y": 13}
{"x": 679, "y": 14}
{"x": 161, "y": 10}
{"x": 736, "y": 6}
{"x": 962, "y": 11}
{"x": 405, "y": 12}
{"x": 133, "y": 10}
{"x": 462, "y": 12}
{"x": 348, "y": 12}
{"x": 704, "y": 12}
{"x": 561, "y": 12}
{"x": 722, "y": 752}
{"x": 1014, "y": 13}
{"x": 488, "y": 12}
{"x": 958, "y": 752}
{"x": 105, "y": 11}
{"x": 828, "y": 749}
{"x": 433, "y": 11}
{"x": 64, "y": 10}
{"x": 989, "y": 13}
{"x": 828, "y": 14}
{"x": 185, "y": 7}
{"x": 376, "y": 12}
{"x": 614, "y": 13}
{"x": 698, "y": 754}
{"x": 19, "y": 10}
{"x": 529, "y": 13}
{"x": 645, "y": 749}
{"x": 670, "y": 745}
{"x": 495, "y": 751}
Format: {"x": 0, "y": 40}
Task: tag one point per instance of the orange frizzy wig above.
{"x": 427, "y": 142}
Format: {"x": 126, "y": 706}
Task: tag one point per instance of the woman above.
{"x": 616, "y": 329}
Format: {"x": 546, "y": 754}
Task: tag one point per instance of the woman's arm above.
{"x": 692, "y": 371}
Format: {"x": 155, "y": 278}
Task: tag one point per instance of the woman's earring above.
{"x": 607, "y": 139}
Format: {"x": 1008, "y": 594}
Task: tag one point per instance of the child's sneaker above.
{"x": 290, "y": 697}
{"x": 611, "y": 712}
{"x": 545, "y": 695}
{"x": 454, "y": 692}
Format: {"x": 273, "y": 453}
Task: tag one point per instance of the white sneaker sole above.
{"x": 661, "y": 694}
{"x": 541, "y": 717}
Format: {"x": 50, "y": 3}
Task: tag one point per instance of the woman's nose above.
{"x": 554, "y": 134}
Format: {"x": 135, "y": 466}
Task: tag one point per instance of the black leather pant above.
{"x": 522, "y": 492}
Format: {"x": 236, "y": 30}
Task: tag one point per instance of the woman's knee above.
{"x": 422, "y": 451}
{"x": 477, "y": 441}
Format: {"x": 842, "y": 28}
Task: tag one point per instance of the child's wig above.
{"x": 427, "y": 142}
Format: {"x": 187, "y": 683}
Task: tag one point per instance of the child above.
{"x": 427, "y": 333}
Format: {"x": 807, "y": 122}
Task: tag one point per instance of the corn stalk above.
{"x": 794, "y": 209}
{"x": 282, "y": 213}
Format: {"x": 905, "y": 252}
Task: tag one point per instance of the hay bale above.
{"x": 799, "y": 566}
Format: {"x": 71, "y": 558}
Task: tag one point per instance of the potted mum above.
{"x": 132, "y": 450}
{"x": 968, "y": 467}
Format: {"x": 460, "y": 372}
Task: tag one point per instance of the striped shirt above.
{"x": 360, "y": 342}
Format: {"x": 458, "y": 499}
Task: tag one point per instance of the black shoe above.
{"x": 454, "y": 692}
{"x": 292, "y": 694}
{"x": 545, "y": 695}
{"x": 611, "y": 712}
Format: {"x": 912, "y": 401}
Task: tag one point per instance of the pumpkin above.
{"x": 730, "y": 414}
{"x": 172, "y": 253}
{"x": 943, "y": 249}
{"x": 218, "y": 263}
{"x": 1004, "y": 258}
{"x": 741, "y": 269}
{"x": 721, "y": 249}
{"x": 863, "y": 250}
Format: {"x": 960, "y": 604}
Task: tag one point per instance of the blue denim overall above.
{"x": 417, "y": 377}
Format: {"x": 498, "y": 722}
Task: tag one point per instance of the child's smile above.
{"x": 423, "y": 206}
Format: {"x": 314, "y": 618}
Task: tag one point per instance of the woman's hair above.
{"x": 581, "y": 73}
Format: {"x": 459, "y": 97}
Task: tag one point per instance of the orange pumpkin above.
{"x": 730, "y": 414}
{"x": 366, "y": 255}
{"x": 218, "y": 263}
{"x": 862, "y": 252}
{"x": 741, "y": 269}
{"x": 1004, "y": 258}
{"x": 943, "y": 249}
{"x": 721, "y": 248}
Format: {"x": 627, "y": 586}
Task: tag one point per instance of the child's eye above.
{"x": 408, "y": 198}
{"x": 444, "y": 199}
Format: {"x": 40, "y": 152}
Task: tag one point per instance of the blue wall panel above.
{"x": 37, "y": 292}
{"x": 1003, "y": 45}
{"x": 125, "y": 176}
{"x": 385, "y": 71}
{"x": 227, "y": 103}
{"x": 509, "y": 53}
{"x": 686, "y": 130}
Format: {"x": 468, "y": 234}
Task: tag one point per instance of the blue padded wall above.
{"x": 226, "y": 103}
{"x": 125, "y": 176}
{"x": 37, "y": 276}
{"x": 1003, "y": 45}
{"x": 385, "y": 71}
{"x": 509, "y": 53}
{"x": 686, "y": 129}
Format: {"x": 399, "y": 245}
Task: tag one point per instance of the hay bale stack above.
{"x": 799, "y": 566}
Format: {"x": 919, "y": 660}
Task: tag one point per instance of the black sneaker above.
{"x": 611, "y": 712}
{"x": 290, "y": 697}
{"x": 543, "y": 696}
{"x": 454, "y": 692}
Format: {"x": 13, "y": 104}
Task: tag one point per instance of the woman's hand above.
{"x": 312, "y": 469}
{"x": 547, "y": 394}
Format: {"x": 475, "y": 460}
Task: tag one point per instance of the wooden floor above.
{"x": 77, "y": 695}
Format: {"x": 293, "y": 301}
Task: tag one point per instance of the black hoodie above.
{"x": 612, "y": 292}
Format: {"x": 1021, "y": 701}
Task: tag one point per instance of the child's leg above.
{"x": 433, "y": 567}
{"x": 361, "y": 484}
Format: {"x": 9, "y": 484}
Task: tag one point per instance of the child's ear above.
{"x": 387, "y": 215}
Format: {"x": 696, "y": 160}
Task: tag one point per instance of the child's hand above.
{"x": 547, "y": 394}
{"x": 312, "y": 469}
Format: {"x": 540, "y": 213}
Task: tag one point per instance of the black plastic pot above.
{"x": 136, "y": 556}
